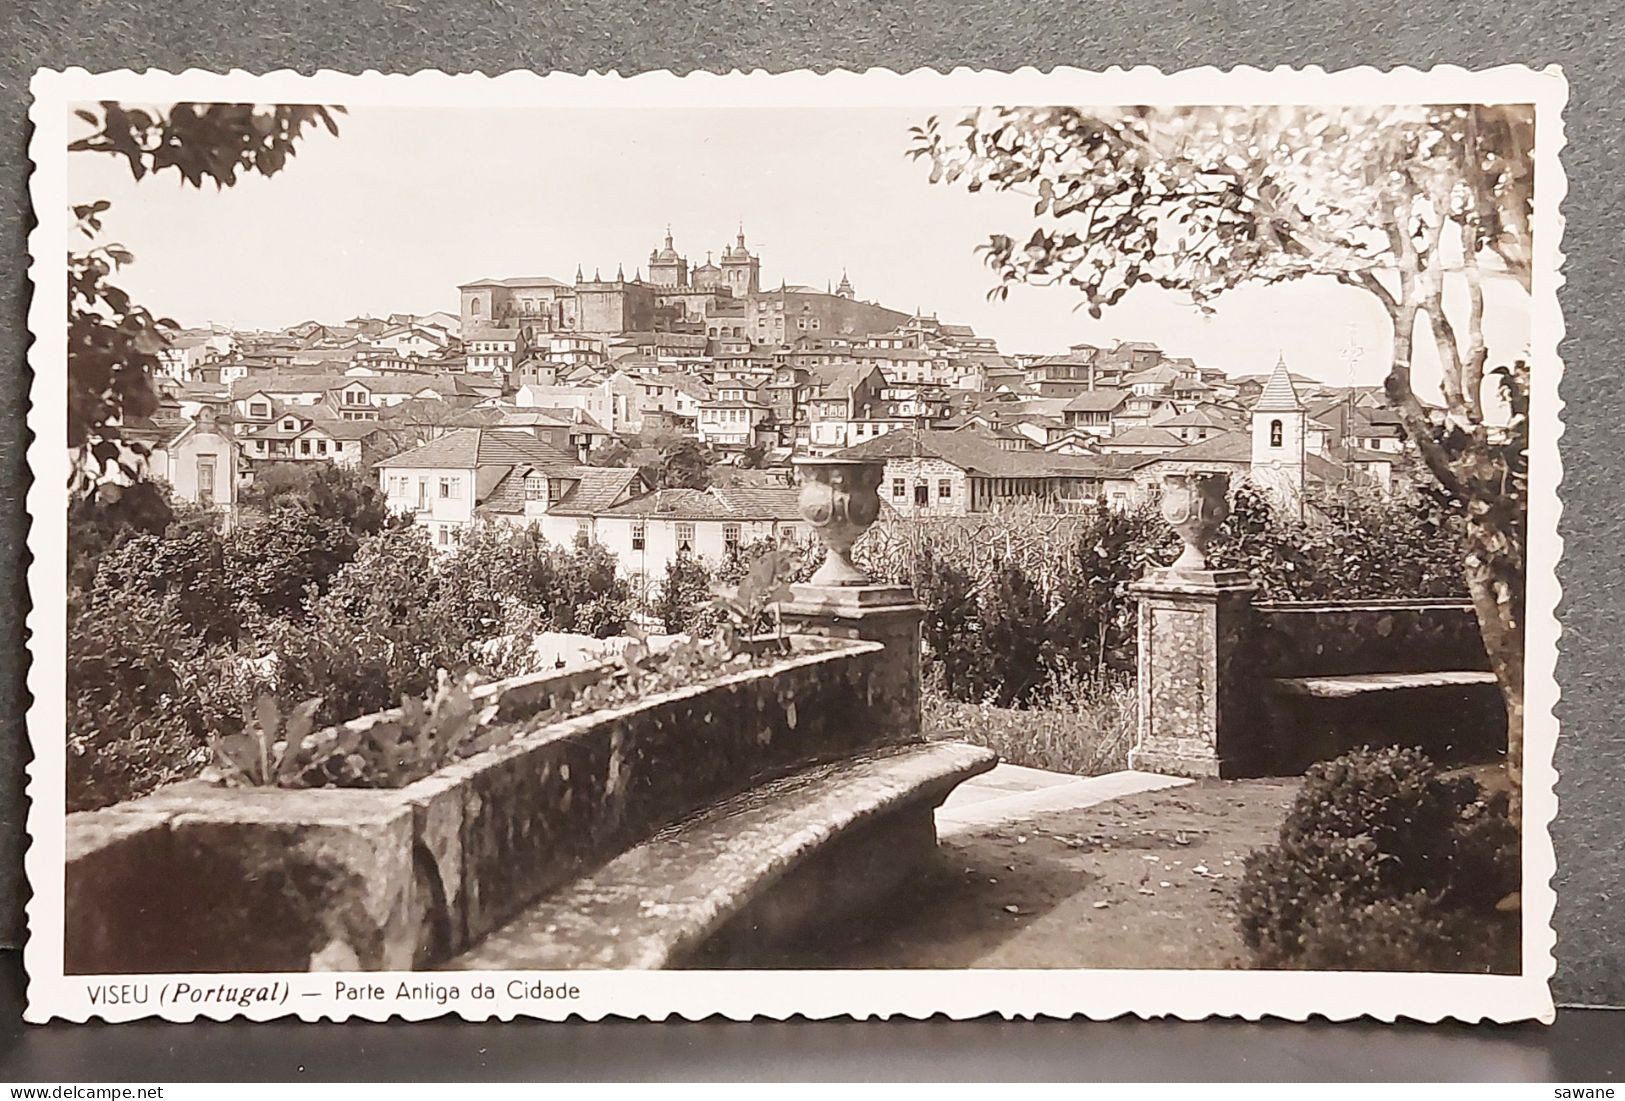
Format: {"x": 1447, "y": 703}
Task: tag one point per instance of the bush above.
{"x": 344, "y": 494}
{"x": 1015, "y": 624}
{"x": 683, "y": 594}
{"x": 191, "y": 567}
{"x": 143, "y": 694}
{"x": 272, "y": 563}
{"x": 955, "y": 648}
{"x": 384, "y": 628}
{"x": 1385, "y": 863}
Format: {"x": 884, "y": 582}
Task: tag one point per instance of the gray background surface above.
{"x": 631, "y": 36}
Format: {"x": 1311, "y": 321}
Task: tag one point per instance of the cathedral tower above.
{"x": 741, "y": 272}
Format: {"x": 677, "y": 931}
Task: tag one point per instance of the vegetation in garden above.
{"x": 189, "y": 644}
{"x": 1017, "y": 599}
{"x": 1386, "y": 863}
{"x": 177, "y": 627}
{"x": 1082, "y": 725}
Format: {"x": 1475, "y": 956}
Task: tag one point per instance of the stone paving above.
{"x": 1014, "y": 793}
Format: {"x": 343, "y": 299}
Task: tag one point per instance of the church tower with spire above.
{"x": 741, "y": 272}
{"x": 667, "y": 267}
{"x": 1279, "y": 439}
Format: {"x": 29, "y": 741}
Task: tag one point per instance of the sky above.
{"x": 407, "y": 203}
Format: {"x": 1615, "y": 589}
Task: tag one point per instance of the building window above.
{"x": 423, "y": 493}
{"x": 451, "y": 488}
{"x": 205, "y": 479}
{"x": 685, "y": 538}
{"x": 304, "y": 447}
{"x": 637, "y": 536}
{"x": 535, "y": 487}
{"x": 730, "y": 540}
{"x": 945, "y": 489}
{"x": 444, "y": 536}
{"x": 899, "y": 488}
{"x": 583, "y": 532}
{"x": 258, "y": 409}
{"x": 1275, "y": 433}
{"x": 922, "y": 495}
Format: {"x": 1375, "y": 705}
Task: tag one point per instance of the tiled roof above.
{"x": 1200, "y": 417}
{"x": 838, "y": 379}
{"x": 1279, "y": 396}
{"x": 487, "y": 478}
{"x": 973, "y": 454}
{"x": 346, "y": 430}
{"x": 716, "y": 503}
{"x": 1144, "y": 437}
{"x": 156, "y": 431}
{"x": 1231, "y": 447}
{"x": 599, "y": 487}
{"x": 1096, "y": 401}
{"x": 469, "y": 448}
{"x": 517, "y": 281}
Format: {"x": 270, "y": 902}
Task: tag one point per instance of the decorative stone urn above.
{"x": 1194, "y": 505}
{"x": 840, "y": 498}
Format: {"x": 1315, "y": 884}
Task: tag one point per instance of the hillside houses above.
{"x": 495, "y": 408}
{"x": 506, "y": 473}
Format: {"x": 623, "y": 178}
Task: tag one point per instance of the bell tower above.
{"x": 1278, "y": 440}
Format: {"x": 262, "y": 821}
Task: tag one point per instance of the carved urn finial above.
{"x": 1195, "y": 505}
{"x": 840, "y": 498}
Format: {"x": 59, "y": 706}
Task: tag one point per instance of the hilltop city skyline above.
{"x": 386, "y": 230}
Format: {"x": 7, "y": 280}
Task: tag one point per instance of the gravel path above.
{"x": 1143, "y": 881}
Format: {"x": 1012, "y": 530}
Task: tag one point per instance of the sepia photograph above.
{"x": 843, "y": 544}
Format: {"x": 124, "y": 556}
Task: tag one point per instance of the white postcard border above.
{"x": 691, "y": 995}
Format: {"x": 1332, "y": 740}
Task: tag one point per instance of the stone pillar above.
{"x": 888, "y": 614}
{"x": 1198, "y": 716}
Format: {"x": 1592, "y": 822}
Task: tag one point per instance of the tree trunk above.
{"x": 1496, "y": 585}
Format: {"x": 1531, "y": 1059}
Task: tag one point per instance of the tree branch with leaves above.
{"x": 113, "y": 342}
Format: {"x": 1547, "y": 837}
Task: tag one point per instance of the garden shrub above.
{"x": 682, "y": 595}
{"x": 273, "y": 561}
{"x": 1384, "y": 862}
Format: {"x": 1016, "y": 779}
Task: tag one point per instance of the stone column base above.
{"x": 1197, "y": 711}
{"x": 887, "y": 614}
{"x": 1180, "y": 757}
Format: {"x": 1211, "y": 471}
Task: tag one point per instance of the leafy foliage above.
{"x": 211, "y": 141}
{"x": 753, "y": 604}
{"x": 682, "y": 595}
{"x": 425, "y": 734}
{"x": 348, "y": 495}
{"x": 113, "y": 342}
{"x": 1016, "y": 598}
{"x": 680, "y": 463}
{"x": 270, "y": 747}
{"x": 1385, "y": 863}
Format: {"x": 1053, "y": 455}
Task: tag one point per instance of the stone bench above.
{"x": 1455, "y": 715}
{"x": 807, "y": 849}
{"x": 1352, "y": 685}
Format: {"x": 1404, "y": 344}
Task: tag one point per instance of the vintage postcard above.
{"x": 878, "y": 545}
